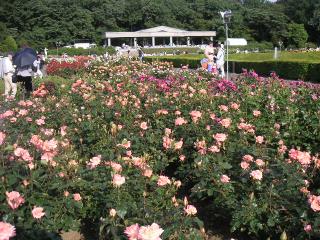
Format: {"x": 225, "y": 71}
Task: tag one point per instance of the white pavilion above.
{"x": 159, "y": 32}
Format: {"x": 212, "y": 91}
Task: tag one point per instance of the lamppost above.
{"x": 226, "y": 17}
{"x": 280, "y": 45}
{"x": 58, "y": 44}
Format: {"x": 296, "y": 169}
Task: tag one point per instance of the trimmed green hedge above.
{"x": 82, "y": 52}
{"x": 172, "y": 50}
{"x": 287, "y": 70}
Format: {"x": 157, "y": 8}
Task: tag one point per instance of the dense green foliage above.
{"x": 44, "y": 22}
{"x": 8, "y": 44}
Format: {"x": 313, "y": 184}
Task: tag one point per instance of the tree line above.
{"x": 43, "y": 23}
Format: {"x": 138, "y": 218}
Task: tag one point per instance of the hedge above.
{"x": 285, "y": 69}
{"x": 172, "y": 50}
{"x": 82, "y": 52}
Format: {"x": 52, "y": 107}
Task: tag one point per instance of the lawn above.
{"x": 310, "y": 57}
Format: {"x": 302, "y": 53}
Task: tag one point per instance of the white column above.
{"x": 188, "y": 41}
{"x": 211, "y": 39}
{"x": 109, "y": 42}
{"x": 153, "y": 41}
{"x": 135, "y": 43}
{"x": 171, "y": 41}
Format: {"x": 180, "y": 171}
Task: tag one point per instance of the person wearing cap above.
{"x": 8, "y": 71}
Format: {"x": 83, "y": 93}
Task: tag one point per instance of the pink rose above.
{"x": 40, "y": 121}
{"x": 220, "y": 137}
{"x": 94, "y": 162}
{"x": 214, "y": 149}
{"x": 226, "y": 122}
{"x": 77, "y": 197}
{"x": 178, "y": 145}
{"x": 190, "y": 210}
{"x": 307, "y": 228}
{"x": 244, "y": 165}
{"x": 163, "y": 180}
{"x": 235, "y": 106}
{"x": 224, "y": 179}
{"x": 143, "y": 126}
{"x": 147, "y": 172}
{"x": 314, "y": 202}
{"x": 115, "y": 166}
{"x": 182, "y": 158}
{"x": 224, "y": 108}
{"x": 166, "y": 142}
{"x": 259, "y": 139}
{"x": 2, "y": 137}
{"x": 247, "y": 158}
{"x": 256, "y": 113}
{"x": 152, "y": 232}
{"x": 180, "y": 121}
{"x": 14, "y": 199}
{"x": 259, "y": 162}
{"x": 63, "y": 130}
{"x": 195, "y": 115}
{"x": 7, "y": 231}
{"x": 118, "y": 180}
{"x": 132, "y": 232}
{"x": 256, "y": 175}
{"x": 37, "y": 212}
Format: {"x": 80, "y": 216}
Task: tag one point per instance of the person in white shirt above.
{"x": 8, "y": 71}
{"x": 37, "y": 64}
{"x": 220, "y": 60}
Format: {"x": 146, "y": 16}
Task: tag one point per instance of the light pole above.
{"x": 226, "y": 17}
{"x": 280, "y": 45}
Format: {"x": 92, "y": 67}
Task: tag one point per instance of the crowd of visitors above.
{"x": 20, "y": 67}
{"x": 214, "y": 59}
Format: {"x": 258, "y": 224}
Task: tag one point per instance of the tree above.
{"x": 9, "y": 44}
{"x": 3, "y": 31}
{"x": 298, "y": 36}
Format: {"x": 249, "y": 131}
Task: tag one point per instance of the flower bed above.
{"x": 65, "y": 68}
{"x": 144, "y": 152}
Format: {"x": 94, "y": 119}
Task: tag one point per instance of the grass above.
{"x": 307, "y": 57}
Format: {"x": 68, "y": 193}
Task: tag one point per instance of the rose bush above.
{"x": 144, "y": 151}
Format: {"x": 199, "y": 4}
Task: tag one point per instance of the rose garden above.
{"x": 145, "y": 151}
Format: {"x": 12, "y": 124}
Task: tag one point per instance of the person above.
{"x": 8, "y": 71}
{"x": 38, "y": 64}
{"x": 220, "y": 60}
{"x": 209, "y": 54}
{"x": 25, "y": 75}
{"x": 141, "y": 54}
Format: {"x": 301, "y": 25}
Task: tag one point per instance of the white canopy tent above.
{"x": 237, "y": 42}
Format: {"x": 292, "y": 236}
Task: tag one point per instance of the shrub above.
{"x": 65, "y": 68}
{"x": 83, "y": 52}
{"x": 286, "y": 69}
{"x": 172, "y": 50}
{"x": 128, "y": 144}
{"x": 9, "y": 44}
